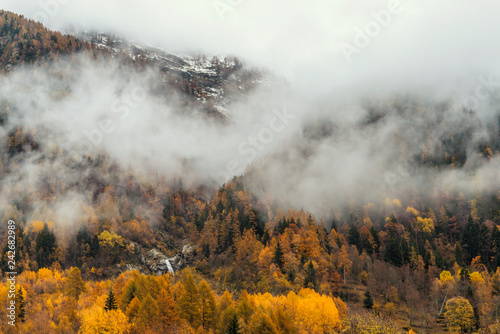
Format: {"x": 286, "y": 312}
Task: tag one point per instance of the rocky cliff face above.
{"x": 155, "y": 262}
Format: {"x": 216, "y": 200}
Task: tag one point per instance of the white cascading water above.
{"x": 169, "y": 266}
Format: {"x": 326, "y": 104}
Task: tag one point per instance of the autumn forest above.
{"x": 111, "y": 240}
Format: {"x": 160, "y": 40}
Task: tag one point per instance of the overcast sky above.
{"x": 424, "y": 42}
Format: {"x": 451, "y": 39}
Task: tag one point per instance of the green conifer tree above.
{"x": 111, "y": 301}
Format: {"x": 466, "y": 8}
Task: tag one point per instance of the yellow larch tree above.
{"x": 459, "y": 315}
{"x": 147, "y": 315}
{"x": 97, "y": 321}
{"x": 208, "y": 306}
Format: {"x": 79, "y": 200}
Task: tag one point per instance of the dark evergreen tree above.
{"x": 393, "y": 252}
{"x": 94, "y": 245}
{"x": 440, "y": 261}
{"x": 458, "y": 255}
{"x": 282, "y": 226}
{"x": 220, "y": 207}
{"x": 495, "y": 248}
{"x": 367, "y": 246}
{"x": 368, "y": 301}
{"x": 474, "y": 241}
{"x": 4, "y": 261}
{"x": 310, "y": 279}
{"x": 45, "y": 247}
{"x": 81, "y": 248}
{"x": 354, "y": 237}
{"x": 200, "y": 219}
{"x": 265, "y": 236}
{"x": 290, "y": 275}
{"x": 278, "y": 256}
{"x": 376, "y": 239}
{"x": 167, "y": 210}
{"x": 334, "y": 225}
{"x": 21, "y": 304}
{"x": 83, "y": 236}
{"x": 405, "y": 251}
{"x": 233, "y": 326}
{"x": 110, "y": 301}
{"x": 463, "y": 286}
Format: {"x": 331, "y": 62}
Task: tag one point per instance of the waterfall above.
{"x": 169, "y": 266}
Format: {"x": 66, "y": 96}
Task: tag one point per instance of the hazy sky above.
{"x": 420, "y": 41}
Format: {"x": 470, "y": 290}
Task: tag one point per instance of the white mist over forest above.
{"x": 307, "y": 142}
{"x": 318, "y": 155}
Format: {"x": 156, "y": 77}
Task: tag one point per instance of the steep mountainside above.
{"x": 209, "y": 83}
{"x": 24, "y": 41}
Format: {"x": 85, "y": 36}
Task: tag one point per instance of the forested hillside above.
{"x": 95, "y": 237}
{"x": 25, "y": 41}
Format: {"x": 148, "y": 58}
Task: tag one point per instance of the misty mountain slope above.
{"x": 400, "y": 147}
{"x": 146, "y": 96}
{"x": 23, "y": 41}
{"x": 385, "y": 149}
{"x": 211, "y": 81}
{"x": 392, "y": 148}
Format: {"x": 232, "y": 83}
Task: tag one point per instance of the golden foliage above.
{"x": 314, "y": 313}
{"x": 459, "y": 315}
{"x": 110, "y": 239}
{"x": 476, "y": 277}
{"x": 412, "y": 211}
{"x": 446, "y": 278}
{"x": 36, "y": 226}
{"x": 425, "y": 225}
{"x": 97, "y": 321}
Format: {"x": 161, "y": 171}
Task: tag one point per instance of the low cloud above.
{"x": 425, "y": 43}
